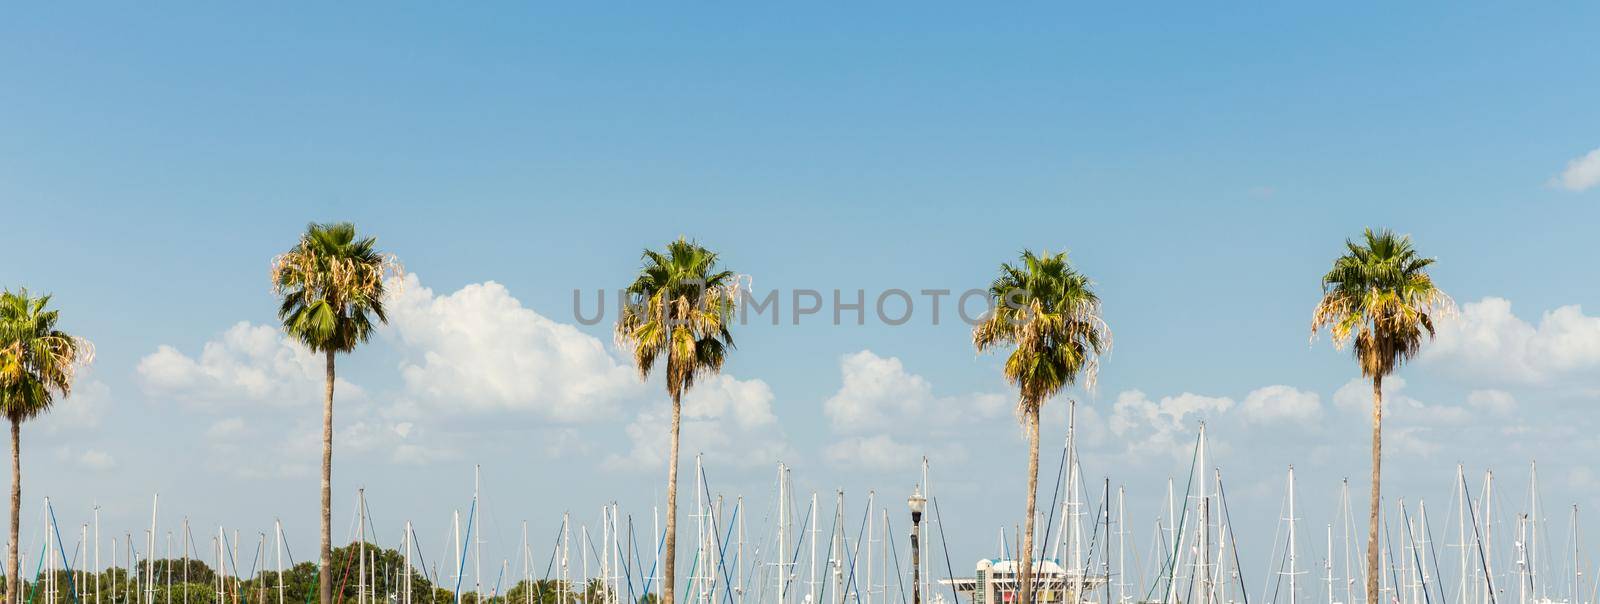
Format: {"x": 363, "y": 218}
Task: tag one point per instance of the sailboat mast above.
{"x": 872, "y": 496}
{"x": 700, "y": 532}
{"x": 1576, "y": 560}
{"x": 406, "y": 570}
{"x": 1461, "y": 528}
{"x": 455, "y": 539}
{"x": 1075, "y": 551}
{"x": 887, "y": 572}
{"x": 97, "y": 572}
{"x": 1122, "y": 545}
{"x": 783, "y": 521}
{"x": 1533, "y": 529}
{"x": 655, "y": 527}
{"x": 811, "y": 597}
{"x": 1172, "y": 522}
{"x": 838, "y": 547}
{"x": 477, "y": 538}
{"x": 1293, "y": 568}
{"x": 277, "y": 548}
{"x": 361, "y": 546}
{"x": 187, "y": 538}
{"x": 927, "y": 491}
{"x": 1488, "y": 534}
{"x": 150, "y": 559}
{"x": 738, "y": 511}
{"x": 1203, "y": 542}
{"x": 1522, "y": 559}
{"x": 1328, "y": 564}
{"x": 566, "y": 550}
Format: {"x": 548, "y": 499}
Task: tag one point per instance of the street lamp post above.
{"x": 917, "y": 503}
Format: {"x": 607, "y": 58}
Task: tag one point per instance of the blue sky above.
{"x": 1201, "y": 163}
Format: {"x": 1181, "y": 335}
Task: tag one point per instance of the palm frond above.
{"x": 331, "y": 285}
{"x": 1379, "y": 297}
{"x": 1049, "y": 316}
{"x": 38, "y": 361}
{"x": 679, "y": 307}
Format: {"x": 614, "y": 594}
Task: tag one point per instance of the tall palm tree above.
{"x": 678, "y": 307}
{"x": 1048, "y": 313}
{"x": 331, "y": 284}
{"x": 1379, "y": 295}
{"x": 37, "y": 365}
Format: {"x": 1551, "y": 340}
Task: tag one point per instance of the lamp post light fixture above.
{"x": 917, "y": 503}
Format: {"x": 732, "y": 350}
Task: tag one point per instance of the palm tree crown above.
{"x": 1379, "y": 295}
{"x": 332, "y": 286}
{"x": 679, "y": 306}
{"x": 1049, "y": 312}
{"x": 37, "y": 361}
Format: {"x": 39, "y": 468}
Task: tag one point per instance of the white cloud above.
{"x": 480, "y": 350}
{"x": 248, "y": 365}
{"x": 1496, "y": 402}
{"x": 877, "y": 395}
{"x": 877, "y": 392}
{"x": 1272, "y": 404}
{"x": 729, "y": 420}
{"x": 1152, "y": 427}
{"x": 1582, "y": 173}
{"x": 1487, "y": 340}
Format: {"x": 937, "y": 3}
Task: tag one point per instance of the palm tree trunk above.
{"x": 1025, "y": 565}
{"x": 1372, "y": 513}
{"x": 325, "y": 577}
{"x": 13, "y": 586}
{"x": 669, "y": 564}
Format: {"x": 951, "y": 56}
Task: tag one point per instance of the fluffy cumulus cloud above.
{"x": 248, "y": 365}
{"x": 1485, "y": 340}
{"x": 727, "y": 419}
{"x": 1581, "y": 174}
{"x": 475, "y": 353}
{"x": 1152, "y": 427}
{"x": 479, "y": 350}
{"x": 1277, "y": 404}
{"x": 888, "y": 417}
{"x": 877, "y": 392}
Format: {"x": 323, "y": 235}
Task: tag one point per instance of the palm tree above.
{"x": 37, "y": 365}
{"x": 1048, "y": 313}
{"x": 678, "y": 307}
{"x": 332, "y": 286}
{"x": 1379, "y": 295}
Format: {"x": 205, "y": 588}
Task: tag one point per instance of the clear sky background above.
{"x": 1203, "y": 164}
